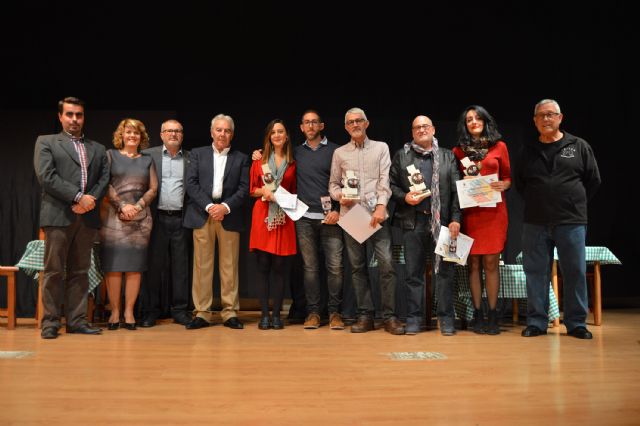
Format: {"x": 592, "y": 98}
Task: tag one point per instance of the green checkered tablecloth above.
{"x": 32, "y": 262}
{"x": 513, "y": 285}
{"x": 593, "y": 254}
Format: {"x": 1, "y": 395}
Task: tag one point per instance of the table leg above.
{"x": 597, "y": 297}
{"x": 554, "y": 283}
{"x": 514, "y": 309}
{"x": 39, "y": 305}
{"x": 10, "y": 273}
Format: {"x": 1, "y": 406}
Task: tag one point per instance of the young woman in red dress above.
{"x": 273, "y": 235}
{"x": 480, "y": 141}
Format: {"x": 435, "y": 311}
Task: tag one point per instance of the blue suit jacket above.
{"x": 199, "y": 182}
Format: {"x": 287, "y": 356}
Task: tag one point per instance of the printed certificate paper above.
{"x": 477, "y": 192}
{"x": 463, "y": 247}
{"x": 356, "y": 223}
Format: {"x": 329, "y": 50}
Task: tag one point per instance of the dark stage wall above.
{"x": 258, "y": 62}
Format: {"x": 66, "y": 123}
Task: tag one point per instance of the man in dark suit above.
{"x": 169, "y": 252}
{"x": 218, "y": 187}
{"x": 420, "y": 215}
{"x": 73, "y": 173}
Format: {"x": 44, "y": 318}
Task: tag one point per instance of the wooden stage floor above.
{"x": 169, "y": 375}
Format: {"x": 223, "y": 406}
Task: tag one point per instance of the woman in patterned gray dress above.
{"x": 126, "y": 218}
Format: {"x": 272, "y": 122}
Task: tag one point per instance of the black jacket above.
{"x": 556, "y": 189}
{"x": 404, "y": 215}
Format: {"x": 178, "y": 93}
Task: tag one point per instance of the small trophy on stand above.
{"x": 325, "y": 201}
{"x": 470, "y": 167}
{"x": 268, "y": 179}
{"x": 350, "y": 190}
{"x": 416, "y": 180}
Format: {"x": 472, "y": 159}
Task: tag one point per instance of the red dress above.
{"x": 282, "y": 239}
{"x": 488, "y": 225}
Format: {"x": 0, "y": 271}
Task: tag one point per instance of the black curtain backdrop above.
{"x": 259, "y": 62}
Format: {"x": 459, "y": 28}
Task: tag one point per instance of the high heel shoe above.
{"x": 129, "y": 325}
{"x": 265, "y": 323}
{"x": 276, "y": 323}
{"x": 113, "y": 325}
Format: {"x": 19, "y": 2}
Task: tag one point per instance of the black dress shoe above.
{"x": 49, "y": 333}
{"x": 113, "y": 325}
{"x": 581, "y": 333}
{"x": 149, "y": 321}
{"x": 265, "y": 323}
{"x": 129, "y": 325}
{"x": 182, "y": 318}
{"x": 84, "y": 329}
{"x": 533, "y": 331}
{"x": 233, "y": 322}
{"x": 196, "y": 323}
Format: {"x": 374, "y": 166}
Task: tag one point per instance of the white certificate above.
{"x": 477, "y": 191}
{"x": 285, "y": 199}
{"x": 463, "y": 247}
{"x": 298, "y": 209}
{"x": 356, "y": 222}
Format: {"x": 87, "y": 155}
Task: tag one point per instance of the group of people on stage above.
{"x": 159, "y": 197}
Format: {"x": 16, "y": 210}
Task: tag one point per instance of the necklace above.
{"x": 129, "y": 154}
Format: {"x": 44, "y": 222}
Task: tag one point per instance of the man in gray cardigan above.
{"x": 73, "y": 173}
{"x": 420, "y": 219}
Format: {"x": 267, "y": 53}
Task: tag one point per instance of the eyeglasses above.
{"x": 422, "y": 127}
{"x": 356, "y": 121}
{"x": 174, "y": 131}
{"x": 311, "y": 122}
{"x": 547, "y": 115}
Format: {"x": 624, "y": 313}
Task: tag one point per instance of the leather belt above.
{"x": 170, "y": 212}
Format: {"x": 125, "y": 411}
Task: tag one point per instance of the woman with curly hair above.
{"x": 126, "y": 218}
{"x": 479, "y": 142}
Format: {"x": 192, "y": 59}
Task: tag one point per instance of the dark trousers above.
{"x": 537, "y": 250}
{"x": 357, "y": 254}
{"x": 312, "y": 235}
{"x": 418, "y": 246}
{"x": 168, "y": 262}
{"x": 67, "y": 247}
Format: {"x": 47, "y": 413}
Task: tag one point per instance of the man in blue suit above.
{"x": 218, "y": 186}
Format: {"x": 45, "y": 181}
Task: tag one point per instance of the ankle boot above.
{"x": 493, "y": 328}
{"x": 479, "y": 324}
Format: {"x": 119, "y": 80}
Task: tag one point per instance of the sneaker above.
{"x": 335, "y": 321}
{"x": 312, "y": 322}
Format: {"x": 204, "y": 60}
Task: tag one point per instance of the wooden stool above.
{"x": 10, "y": 311}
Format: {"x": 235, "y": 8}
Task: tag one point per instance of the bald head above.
{"x": 423, "y": 130}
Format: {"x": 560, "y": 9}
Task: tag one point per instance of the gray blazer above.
{"x": 57, "y": 167}
{"x": 156, "y": 155}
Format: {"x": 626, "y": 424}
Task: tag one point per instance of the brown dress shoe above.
{"x": 393, "y": 326}
{"x": 312, "y": 322}
{"x": 364, "y": 324}
{"x": 335, "y": 321}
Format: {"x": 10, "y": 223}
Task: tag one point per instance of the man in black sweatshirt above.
{"x": 557, "y": 175}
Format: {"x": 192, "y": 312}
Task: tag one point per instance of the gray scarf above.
{"x": 276, "y": 214}
{"x": 435, "y": 192}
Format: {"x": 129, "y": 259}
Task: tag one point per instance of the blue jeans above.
{"x": 311, "y": 235}
{"x": 537, "y": 249}
{"x": 418, "y": 247}
{"x": 357, "y": 254}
